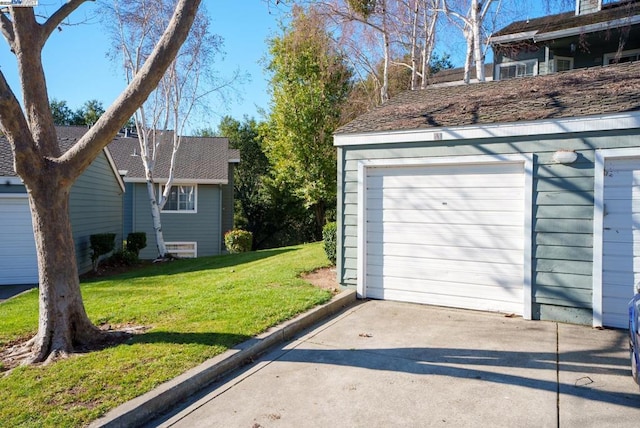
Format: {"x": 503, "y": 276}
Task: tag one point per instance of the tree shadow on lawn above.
{"x": 227, "y": 340}
{"x": 179, "y": 266}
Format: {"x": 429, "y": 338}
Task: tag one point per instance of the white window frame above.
{"x": 630, "y": 53}
{"x": 182, "y": 253}
{"x": 179, "y": 211}
{"x": 562, "y": 58}
{"x": 524, "y": 63}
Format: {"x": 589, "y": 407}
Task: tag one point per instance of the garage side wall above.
{"x": 562, "y": 210}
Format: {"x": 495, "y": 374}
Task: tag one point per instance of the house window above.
{"x": 562, "y": 64}
{"x": 182, "y": 198}
{"x": 619, "y": 57}
{"x": 185, "y": 250}
{"x": 510, "y": 70}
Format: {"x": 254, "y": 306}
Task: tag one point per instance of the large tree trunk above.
{"x": 63, "y": 323}
{"x": 49, "y": 174}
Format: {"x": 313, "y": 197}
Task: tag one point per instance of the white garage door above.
{"x": 620, "y": 239}
{"x": 450, "y": 235}
{"x": 18, "y": 263}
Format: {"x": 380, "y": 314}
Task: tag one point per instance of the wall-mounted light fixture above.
{"x": 565, "y": 156}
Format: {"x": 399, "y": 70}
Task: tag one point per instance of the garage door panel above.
{"x": 452, "y": 289}
{"x": 623, "y": 248}
{"x": 441, "y": 275}
{"x": 461, "y": 240}
{"x": 471, "y": 193}
{"x": 458, "y": 170}
{"x": 391, "y": 229}
{"x": 449, "y": 235}
{"x": 622, "y": 193}
{"x": 621, "y": 238}
{"x": 18, "y": 263}
{"x": 443, "y": 181}
{"x": 444, "y": 204}
{"x": 621, "y": 263}
{"x": 442, "y": 252}
{"x": 618, "y": 278}
{"x": 623, "y": 222}
{"x": 441, "y": 217}
{"x": 622, "y": 206}
{"x": 468, "y": 302}
{"x": 471, "y": 267}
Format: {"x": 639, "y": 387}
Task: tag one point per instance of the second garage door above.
{"x": 18, "y": 263}
{"x": 449, "y": 235}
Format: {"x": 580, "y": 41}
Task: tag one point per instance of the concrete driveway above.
{"x": 381, "y": 364}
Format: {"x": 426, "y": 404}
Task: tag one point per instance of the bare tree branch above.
{"x": 6, "y": 27}
{"x": 59, "y": 15}
{"x": 145, "y": 81}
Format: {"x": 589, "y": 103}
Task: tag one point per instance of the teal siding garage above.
{"x": 516, "y": 196}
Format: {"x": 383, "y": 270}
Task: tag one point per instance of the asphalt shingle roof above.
{"x": 576, "y": 93}
{"x": 199, "y": 158}
{"x": 67, "y": 136}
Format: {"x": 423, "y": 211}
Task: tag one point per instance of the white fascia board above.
{"x": 585, "y": 29}
{"x": 515, "y": 37}
{"x": 177, "y": 181}
{"x": 114, "y": 168}
{"x": 606, "y": 122}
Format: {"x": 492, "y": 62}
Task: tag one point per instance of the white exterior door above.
{"x": 18, "y": 263}
{"x": 449, "y": 235}
{"x": 620, "y": 238}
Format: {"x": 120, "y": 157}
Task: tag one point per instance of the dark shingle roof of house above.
{"x": 67, "y": 136}
{"x": 567, "y": 20}
{"x": 198, "y": 159}
{"x": 583, "y": 92}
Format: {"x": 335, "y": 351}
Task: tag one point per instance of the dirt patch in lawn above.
{"x": 324, "y": 278}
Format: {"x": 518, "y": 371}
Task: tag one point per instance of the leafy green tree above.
{"x": 89, "y": 113}
{"x": 271, "y": 213}
{"x": 62, "y": 114}
{"x": 310, "y": 83}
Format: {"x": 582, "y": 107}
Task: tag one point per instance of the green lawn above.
{"x": 195, "y": 309}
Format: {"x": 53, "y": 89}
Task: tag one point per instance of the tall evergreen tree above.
{"x": 310, "y": 83}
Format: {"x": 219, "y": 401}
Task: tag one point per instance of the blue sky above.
{"x": 77, "y": 68}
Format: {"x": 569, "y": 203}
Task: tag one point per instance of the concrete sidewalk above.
{"x": 381, "y": 364}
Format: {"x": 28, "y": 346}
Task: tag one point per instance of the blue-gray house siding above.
{"x": 95, "y": 205}
{"x": 202, "y": 227}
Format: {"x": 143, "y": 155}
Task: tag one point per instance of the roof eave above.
{"x": 515, "y": 37}
{"x": 178, "y": 180}
{"x": 585, "y": 29}
{"x": 604, "y": 122}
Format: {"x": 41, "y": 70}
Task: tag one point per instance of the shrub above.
{"x": 238, "y": 241}
{"x": 101, "y": 244}
{"x": 330, "y": 237}
{"x": 123, "y": 258}
{"x": 136, "y": 241}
